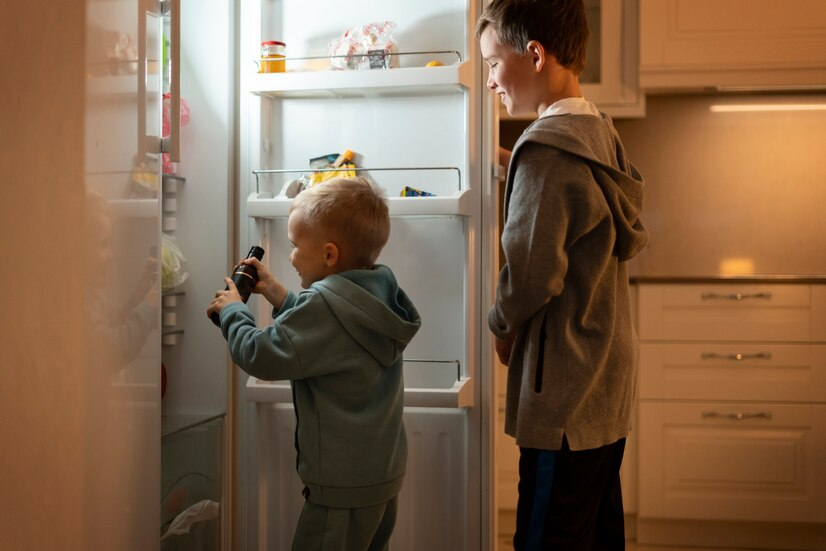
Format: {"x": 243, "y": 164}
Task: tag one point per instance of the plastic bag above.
{"x": 168, "y": 166}
{"x": 204, "y": 510}
{"x": 365, "y": 47}
{"x": 172, "y": 264}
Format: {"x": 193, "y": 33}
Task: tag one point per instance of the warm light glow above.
{"x": 736, "y": 266}
{"x": 745, "y": 107}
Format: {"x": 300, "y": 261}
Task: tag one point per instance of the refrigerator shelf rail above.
{"x": 265, "y": 205}
{"x": 428, "y": 384}
{"x": 404, "y": 81}
{"x": 368, "y": 56}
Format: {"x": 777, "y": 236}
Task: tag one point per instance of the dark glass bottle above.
{"x": 245, "y": 278}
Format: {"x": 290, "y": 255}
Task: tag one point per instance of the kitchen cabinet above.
{"x": 732, "y": 405}
{"x": 610, "y": 75}
{"x": 687, "y": 44}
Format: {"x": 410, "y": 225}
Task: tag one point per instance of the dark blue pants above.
{"x": 570, "y": 500}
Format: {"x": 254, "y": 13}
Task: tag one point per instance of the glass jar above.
{"x": 273, "y": 54}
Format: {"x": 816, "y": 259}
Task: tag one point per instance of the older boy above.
{"x": 340, "y": 342}
{"x": 562, "y": 317}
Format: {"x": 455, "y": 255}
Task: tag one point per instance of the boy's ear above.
{"x": 331, "y": 254}
{"x": 538, "y": 55}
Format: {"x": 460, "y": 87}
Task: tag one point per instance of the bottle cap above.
{"x": 256, "y": 252}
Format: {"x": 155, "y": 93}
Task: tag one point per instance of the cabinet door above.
{"x": 732, "y": 461}
{"x": 725, "y": 312}
{"x": 700, "y": 43}
{"x": 756, "y": 371}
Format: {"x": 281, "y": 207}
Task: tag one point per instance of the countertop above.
{"x": 801, "y": 279}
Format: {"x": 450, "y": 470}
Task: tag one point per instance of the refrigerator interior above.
{"x": 409, "y": 125}
{"x": 121, "y": 229}
{"x": 197, "y": 215}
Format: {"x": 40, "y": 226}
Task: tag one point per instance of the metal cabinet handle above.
{"x": 735, "y": 296}
{"x": 736, "y": 357}
{"x": 737, "y": 416}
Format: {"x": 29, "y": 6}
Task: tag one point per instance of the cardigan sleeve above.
{"x": 548, "y": 207}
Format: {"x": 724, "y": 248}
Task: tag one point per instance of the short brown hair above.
{"x": 561, "y": 26}
{"x": 353, "y": 210}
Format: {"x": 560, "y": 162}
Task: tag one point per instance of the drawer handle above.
{"x": 736, "y": 357}
{"x": 735, "y": 296}
{"x": 737, "y": 416}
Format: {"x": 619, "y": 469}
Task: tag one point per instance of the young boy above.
{"x": 562, "y": 317}
{"x": 340, "y": 342}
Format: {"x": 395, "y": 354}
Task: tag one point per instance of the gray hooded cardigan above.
{"x": 572, "y": 220}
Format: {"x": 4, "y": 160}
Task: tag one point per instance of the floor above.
{"x": 506, "y": 522}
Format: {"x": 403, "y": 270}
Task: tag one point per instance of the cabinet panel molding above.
{"x": 717, "y": 43}
{"x": 697, "y": 463}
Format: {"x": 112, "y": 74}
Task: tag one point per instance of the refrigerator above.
{"x": 135, "y": 430}
{"x": 431, "y": 128}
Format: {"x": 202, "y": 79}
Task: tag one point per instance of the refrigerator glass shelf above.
{"x": 263, "y": 205}
{"x": 135, "y": 208}
{"x": 410, "y": 81}
{"x": 120, "y": 87}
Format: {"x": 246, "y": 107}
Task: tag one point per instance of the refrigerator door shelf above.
{"x": 135, "y": 208}
{"x": 363, "y": 84}
{"x": 260, "y": 205}
{"x": 459, "y": 395}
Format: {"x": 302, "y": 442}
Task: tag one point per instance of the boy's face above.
{"x": 509, "y": 75}
{"x": 311, "y": 253}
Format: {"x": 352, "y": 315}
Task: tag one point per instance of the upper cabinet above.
{"x": 687, "y": 44}
{"x": 610, "y": 78}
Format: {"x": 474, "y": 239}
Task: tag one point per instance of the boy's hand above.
{"x": 224, "y": 297}
{"x": 504, "y": 348}
{"x": 267, "y": 285}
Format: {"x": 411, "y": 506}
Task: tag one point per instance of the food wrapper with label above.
{"x": 413, "y": 192}
{"x": 365, "y": 47}
{"x": 344, "y": 162}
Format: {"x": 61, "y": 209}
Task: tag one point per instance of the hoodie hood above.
{"x": 595, "y": 140}
{"x": 373, "y": 309}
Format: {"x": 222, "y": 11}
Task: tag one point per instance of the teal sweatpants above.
{"x": 362, "y": 529}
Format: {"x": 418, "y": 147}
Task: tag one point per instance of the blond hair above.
{"x": 353, "y": 210}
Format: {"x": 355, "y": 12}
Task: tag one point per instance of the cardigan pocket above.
{"x": 540, "y": 359}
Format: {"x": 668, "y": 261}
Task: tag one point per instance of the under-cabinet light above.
{"x": 754, "y": 107}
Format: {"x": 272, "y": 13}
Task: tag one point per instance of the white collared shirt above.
{"x": 571, "y": 106}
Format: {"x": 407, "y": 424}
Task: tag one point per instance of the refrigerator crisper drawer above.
{"x": 428, "y": 384}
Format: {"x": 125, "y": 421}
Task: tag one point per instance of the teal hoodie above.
{"x": 340, "y": 343}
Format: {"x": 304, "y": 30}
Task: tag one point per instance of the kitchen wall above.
{"x": 732, "y": 192}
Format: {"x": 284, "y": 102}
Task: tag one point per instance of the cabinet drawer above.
{"x": 737, "y": 462}
{"x": 726, "y": 312}
{"x": 733, "y": 371}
